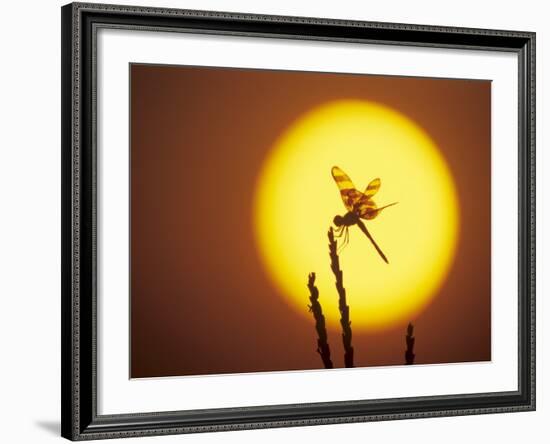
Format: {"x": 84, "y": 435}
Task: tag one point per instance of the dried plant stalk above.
{"x": 315, "y": 307}
{"x": 409, "y": 353}
{"x": 342, "y": 304}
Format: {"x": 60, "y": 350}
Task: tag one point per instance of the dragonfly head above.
{"x": 338, "y": 221}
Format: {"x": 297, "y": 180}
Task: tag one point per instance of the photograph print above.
{"x": 298, "y": 221}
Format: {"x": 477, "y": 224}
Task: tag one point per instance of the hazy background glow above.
{"x": 202, "y": 299}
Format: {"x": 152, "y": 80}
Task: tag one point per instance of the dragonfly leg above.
{"x": 340, "y": 230}
{"x": 345, "y": 241}
{"x": 346, "y": 238}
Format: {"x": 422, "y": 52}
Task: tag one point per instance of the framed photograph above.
{"x": 280, "y": 221}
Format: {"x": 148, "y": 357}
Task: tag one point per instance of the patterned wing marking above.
{"x": 366, "y": 208}
{"x": 369, "y": 210}
{"x": 372, "y": 187}
{"x": 350, "y": 196}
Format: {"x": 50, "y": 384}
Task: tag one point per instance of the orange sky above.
{"x": 201, "y": 302}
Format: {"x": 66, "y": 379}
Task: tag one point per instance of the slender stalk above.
{"x": 409, "y": 353}
{"x": 342, "y": 304}
{"x": 315, "y": 307}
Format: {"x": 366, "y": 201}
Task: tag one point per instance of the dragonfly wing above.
{"x": 369, "y": 210}
{"x": 350, "y": 196}
{"x": 366, "y": 208}
{"x": 372, "y": 188}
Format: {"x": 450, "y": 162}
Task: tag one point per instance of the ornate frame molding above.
{"x": 80, "y": 22}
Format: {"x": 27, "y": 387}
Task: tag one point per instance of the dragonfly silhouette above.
{"x": 359, "y": 205}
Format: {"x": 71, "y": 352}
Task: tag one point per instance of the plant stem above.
{"x": 409, "y": 353}
{"x": 315, "y": 307}
{"x": 342, "y": 304}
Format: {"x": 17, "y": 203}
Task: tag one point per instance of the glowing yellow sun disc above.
{"x": 297, "y": 199}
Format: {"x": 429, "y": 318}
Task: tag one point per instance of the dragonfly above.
{"x": 359, "y": 205}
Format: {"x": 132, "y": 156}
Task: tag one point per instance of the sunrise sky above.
{"x": 203, "y": 300}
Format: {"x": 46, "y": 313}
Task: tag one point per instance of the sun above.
{"x": 296, "y": 200}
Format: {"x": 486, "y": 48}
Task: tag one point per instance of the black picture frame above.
{"x": 79, "y": 169}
